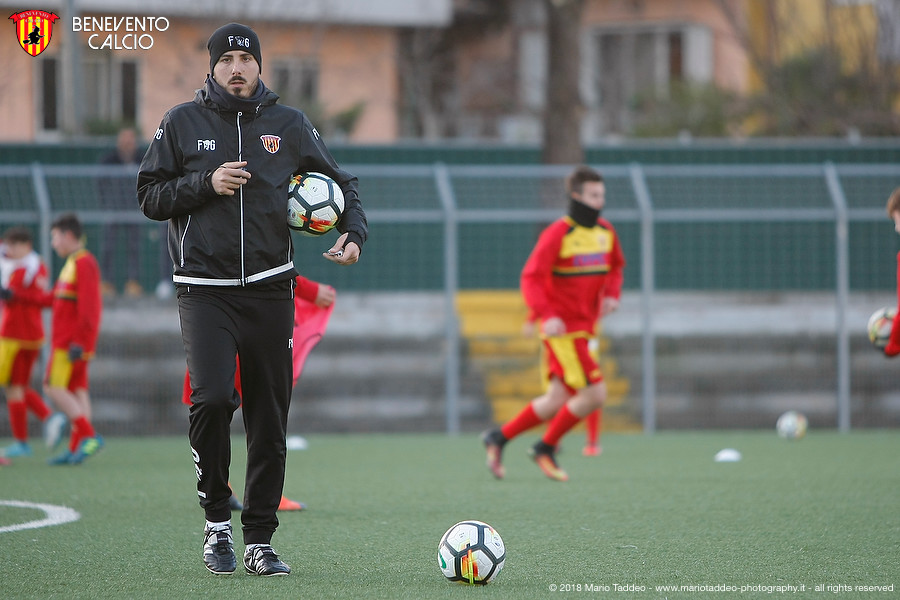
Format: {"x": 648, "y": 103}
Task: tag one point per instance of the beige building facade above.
{"x": 342, "y": 61}
{"x": 128, "y": 62}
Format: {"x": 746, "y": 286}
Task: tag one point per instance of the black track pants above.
{"x": 215, "y": 327}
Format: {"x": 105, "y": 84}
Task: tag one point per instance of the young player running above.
{"x": 76, "y": 325}
{"x": 23, "y": 288}
{"x": 573, "y": 275}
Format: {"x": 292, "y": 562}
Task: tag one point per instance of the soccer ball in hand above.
{"x": 791, "y": 425}
{"x": 471, "y": 552}
{"x": 879, "y": 326}
{"x": 315, "y": 203}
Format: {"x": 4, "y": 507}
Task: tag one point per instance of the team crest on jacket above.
{"x": 33, "y": 29}
{"x": 271, "y": 143}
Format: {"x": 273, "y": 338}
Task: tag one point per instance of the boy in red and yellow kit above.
{"x": 572, "y": 277}
{"x": 23, "y": 288}
{"x": 76, "y": 325}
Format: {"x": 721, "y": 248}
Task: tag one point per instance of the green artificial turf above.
{"x": 651, "y": 511}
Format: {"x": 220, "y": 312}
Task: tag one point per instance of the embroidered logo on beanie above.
{"x": 233, "y": 36}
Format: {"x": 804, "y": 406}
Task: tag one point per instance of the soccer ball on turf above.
{"x": 471, "y": 552}
{"x": 315, "y": 203}
{"x": 879, "y": 326}
{"x": 791, "y": 425}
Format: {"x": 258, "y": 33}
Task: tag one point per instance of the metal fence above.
{"x": 733, "y": 231}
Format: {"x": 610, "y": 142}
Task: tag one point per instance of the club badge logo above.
{"x": 270, "y": 143}
{"x": 34, "y": 29}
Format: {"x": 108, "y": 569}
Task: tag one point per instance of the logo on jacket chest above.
{"x": 271, "y": 143}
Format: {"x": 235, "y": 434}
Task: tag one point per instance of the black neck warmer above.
{"x": 230, "y": 102}
{"x": 582, "y": 214}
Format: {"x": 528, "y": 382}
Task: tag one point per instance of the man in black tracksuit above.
{"x": 218, "y": 169}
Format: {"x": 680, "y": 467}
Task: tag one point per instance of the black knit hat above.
{"x": 233, "y": 36}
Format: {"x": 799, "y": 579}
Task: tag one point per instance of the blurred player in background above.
{"x": 313, "y": 304}
{"x": 218, "y": 169}
{"x": 893, "y": 210}
{"x": 23, "y": 292}
{"x": 573, "y": 276}
{"x": 76, "y": 325}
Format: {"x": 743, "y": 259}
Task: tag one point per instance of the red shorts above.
{"x": 16, "y": 362}
{"x": 569, "y": 358}
{"x": 62, "y": 372}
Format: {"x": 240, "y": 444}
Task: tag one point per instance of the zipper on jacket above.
{"x": 183, "y": 236}
{"x": 241, "y": 198}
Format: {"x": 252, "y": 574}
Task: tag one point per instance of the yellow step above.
{"x": 491, "y": 324}
{"x": 506, "y": 346}
{"x": 489, "y": 300}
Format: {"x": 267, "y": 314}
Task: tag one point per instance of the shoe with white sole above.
{"x": 218, "y": 550}
{"x": 261, "y": 559}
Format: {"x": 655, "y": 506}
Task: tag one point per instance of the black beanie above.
{"x": 233, "y": 36}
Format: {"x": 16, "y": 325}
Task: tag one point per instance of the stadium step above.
{"x": 379, "y": 368}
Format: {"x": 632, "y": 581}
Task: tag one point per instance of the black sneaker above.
{"x": 493, "y": 443}
{"x": 262, "y": 560}
{"x": 545, "y": 457}
{"x": 218, "y": 551}
{"x": 234, "y": 503}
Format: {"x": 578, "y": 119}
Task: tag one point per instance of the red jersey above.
{"x": 893, "y": 345}
{"x": 21, "y": 319}
{"x": 570, "y": 270}
{"x": 76, "y": 303}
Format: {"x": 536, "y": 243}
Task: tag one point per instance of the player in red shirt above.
{"x": 572, "y": 277}
{"x": 23, "y": 288}
{"x": 313, "y": 303}
{"x": 76, "y": 324}
{"x": 893, "y": 210}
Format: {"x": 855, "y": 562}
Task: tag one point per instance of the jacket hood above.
{"x": 205, "y": 97}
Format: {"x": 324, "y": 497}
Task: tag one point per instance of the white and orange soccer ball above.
{"x": 791, "y": 425}
{"x": 879, "y": 326}
{"x": 315, "y": 203}
{"x": 471, "y": 552}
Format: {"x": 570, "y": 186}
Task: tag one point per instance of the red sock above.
{"x": 81, "y": 429}
{"x": 36, "y": 404}
{"x": 594, "y": 422}
{"x": 561, "y": 423}
{"x": 18, "y": 420}
{"x": 525, "y": 420}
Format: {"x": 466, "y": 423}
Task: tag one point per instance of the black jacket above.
{"x": 242, "y": 239}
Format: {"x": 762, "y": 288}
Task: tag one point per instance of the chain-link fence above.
{"x": 746, "y": 291}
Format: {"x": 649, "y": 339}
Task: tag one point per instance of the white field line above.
{"x": 55, "y": 515}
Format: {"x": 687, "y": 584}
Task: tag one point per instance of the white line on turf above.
{"x": 55, "y": 515}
